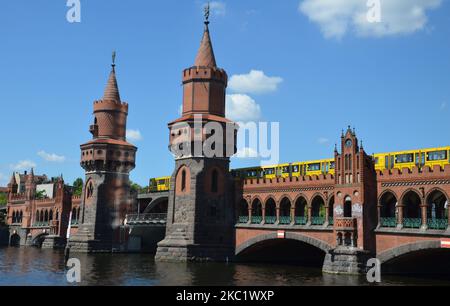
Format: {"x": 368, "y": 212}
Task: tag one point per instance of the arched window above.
{"x": 348, "y": 208}
{"x": 256, "y": 211}
{"x": 412, "y": 216}
{"x": 271, "y": 211}
{"x": 285, "y": 211}
{"x": 46, "y": 216}
{"x": 301, "y": 217}
{"x": 90, "y": 190}
{"x": 57, "y": 215}
{"x": 183, "y": 180}
{"x": 20, "y": 216}
{"x": 50, "y": 217}
{"x": 214, "y": 181}
{"x": 318, "y": 211}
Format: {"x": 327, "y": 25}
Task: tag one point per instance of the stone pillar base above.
{"x": 54, "y": 242}
{"x": 346, "y": 260}
{"x": 183, "y": 252}
{"x": 91, "y": 246}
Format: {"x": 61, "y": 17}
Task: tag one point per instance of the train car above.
{"x": 159, "y": 184}
{"x": 412, "y": 158}
{"x": 318, "y": 167}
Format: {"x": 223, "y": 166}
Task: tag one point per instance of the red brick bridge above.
{"x": 387, "y": 214}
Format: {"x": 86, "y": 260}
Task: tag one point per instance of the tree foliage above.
{"x": 3, "y": 199}
{"x": 78, "y": 187}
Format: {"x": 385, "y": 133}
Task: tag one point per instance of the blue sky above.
{"x": 316, "y": 69}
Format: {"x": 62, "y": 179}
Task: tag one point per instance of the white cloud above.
{"x": 338, "y": 17}
{"x": 246, "y": 153}
{"x": 242, "y": 108}
{"x": 23, "y": 165}
{"x": 51, "y": 157}
{"x": 134, "y": 135}
{"x": 217, "y": 8}
{"x": 255, "y": 82}
{"x": 323, "y": 140}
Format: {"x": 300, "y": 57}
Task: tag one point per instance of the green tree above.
{"x": 138, "y": 188}
{"x": 3, "y": 199}
{"x": 78, "y": 187}
{"x": 41, "y": 195}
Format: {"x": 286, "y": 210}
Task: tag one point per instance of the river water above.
{"x": 32, "y": 266}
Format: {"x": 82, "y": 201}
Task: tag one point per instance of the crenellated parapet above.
{"x": 425, "y": 173}
{"x": 109, "y": 105}
{"x": 205, "y": 74}
{"x": 288, "y": 183}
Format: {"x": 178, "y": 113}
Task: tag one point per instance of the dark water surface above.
{"x": 31, "y": 266}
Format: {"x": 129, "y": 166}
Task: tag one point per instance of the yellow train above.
{"x": 413, "y": 158}
{"x": 159, "y": 184}
{"x": 391, "y": 160}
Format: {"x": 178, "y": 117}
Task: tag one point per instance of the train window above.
{"x": 295, "y": 168}
{"x": 314, "y": 167}
{"x": 404, "y": 158}
{"x": 376, "y": 160}
{"x": 161, "y": 182}
{"x": 437, "y": 155}
{"x": 332, "y": 165}
{"x": 269, "y": 171}
{"x": 285, "y": 169}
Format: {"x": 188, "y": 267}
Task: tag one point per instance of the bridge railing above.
{"x": 146, "y": 218}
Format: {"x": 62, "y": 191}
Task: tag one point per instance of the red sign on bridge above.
{"x": 445, "y": 243}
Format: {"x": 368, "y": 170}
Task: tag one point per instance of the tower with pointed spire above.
{"x": 107, "y": 160}
{"x": 200, "y": 217}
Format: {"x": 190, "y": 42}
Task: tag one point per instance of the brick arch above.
{"x": 285, "y": 196}
{"x": 301, "y": 195}
{"x": 385, "y": 192}
{"x": 267, "y": 200}
{"x": 332, "y": 197}
{"x": 179, "y": 180}
{"x": 325, "y": 247}
{"x": 253, "y": 200}
{"x": 208, "y": 179}
{"x": 436, "y": 189}
{"x": 404, "y": 249}
{"x": 317, "y": 194}
{"x": 408, "y": 191}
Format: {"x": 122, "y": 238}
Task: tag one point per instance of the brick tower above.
{"x": 354, "y": 209}
{"x": 200, "y": 217}
{"x": 107, "y": 160}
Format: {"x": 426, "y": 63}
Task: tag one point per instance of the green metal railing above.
{"x": 41, "y": 224}
{"x": 270, "y": 219}
{"x": 285, "y": 220}
{"x": 439, "y": 224}
{"x": 301, "y": 220}
{"x": 412, "y": 222}
{"x": 256, "y": 219}
{"x": 317, "y": 220}
{"x": 388, "y": 222}
{"x": 74, "y": 222}
{"x": 330, "y": 221}
{"x": 243, "y": 219}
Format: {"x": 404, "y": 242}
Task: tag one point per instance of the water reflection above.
{"x": 31, "y": 266}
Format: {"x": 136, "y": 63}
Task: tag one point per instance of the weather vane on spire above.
{"x": 114, "y": 58}
{"x": 207, "y": 12}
